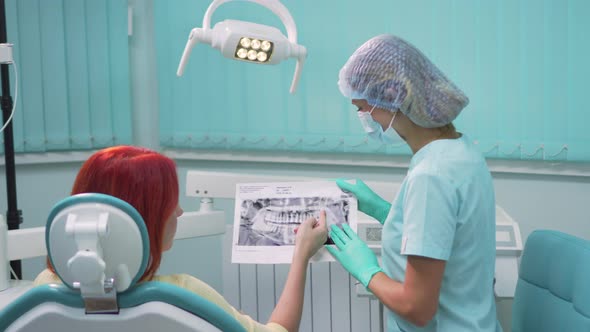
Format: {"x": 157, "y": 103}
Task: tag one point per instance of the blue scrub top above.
{"x": 446, "y": 210}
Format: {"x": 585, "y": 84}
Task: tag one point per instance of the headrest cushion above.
{"x": 123, "y": 240}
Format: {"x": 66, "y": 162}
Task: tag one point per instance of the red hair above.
{"x": 145, "y": 179}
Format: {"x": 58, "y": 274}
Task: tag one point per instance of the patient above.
{"x": 148, "y": 181}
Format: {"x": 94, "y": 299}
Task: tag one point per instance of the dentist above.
{"x": 438, "y": 237}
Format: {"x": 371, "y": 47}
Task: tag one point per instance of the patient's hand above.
{"x": 311, "y": 235}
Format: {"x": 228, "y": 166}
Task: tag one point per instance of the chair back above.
{"x": 553, "y": 289}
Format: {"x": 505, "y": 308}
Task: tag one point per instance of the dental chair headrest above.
{"x": 97, "y": 242}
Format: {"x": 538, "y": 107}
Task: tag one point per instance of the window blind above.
{"x": 73, "y": 65}
{"x": 522, "y": 63}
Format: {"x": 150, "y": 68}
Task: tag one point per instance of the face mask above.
{"x": 375, "y": 131}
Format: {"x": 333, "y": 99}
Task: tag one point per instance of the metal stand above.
{"x": 381, "y": 318}
{"x": 13, "y": 214}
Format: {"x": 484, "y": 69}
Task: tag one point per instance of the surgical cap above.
{"x": 392, "y": 74}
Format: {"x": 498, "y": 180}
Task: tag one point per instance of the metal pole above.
{"x": 4, "y": 282}
{"x": 13, "y": 214}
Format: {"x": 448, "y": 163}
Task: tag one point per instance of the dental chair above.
{"x": 553, "y": 289}
{"x": 99, "y": 248}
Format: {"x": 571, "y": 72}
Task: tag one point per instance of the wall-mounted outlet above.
{"x": 369, "y": 230}
{"x": 6, "y": 53}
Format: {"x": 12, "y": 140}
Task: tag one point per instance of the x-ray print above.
{"x": 272, "y": 221}
{"x": 267, "y": 215}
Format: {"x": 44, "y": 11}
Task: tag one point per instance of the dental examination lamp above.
{"x": 247, "y": 41}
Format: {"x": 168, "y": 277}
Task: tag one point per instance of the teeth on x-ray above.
{"x": 273, "y": 221}
{"x": 287, "y": 217}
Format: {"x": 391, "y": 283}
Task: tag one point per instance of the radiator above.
{"x": 331, "y": 301}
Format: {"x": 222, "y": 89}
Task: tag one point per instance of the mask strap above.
{"x": 372, "y": 109}
{"x": 390, "y": 123}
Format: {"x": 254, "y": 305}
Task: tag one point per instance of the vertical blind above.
{"x": 523, "y": 64}
{"x": 73, "y": 67}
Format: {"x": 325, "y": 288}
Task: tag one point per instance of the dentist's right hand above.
{"x": 354, "y": 254}
{"x": 369, "y": 202}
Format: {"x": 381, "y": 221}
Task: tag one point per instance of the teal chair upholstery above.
{"x": 63, "y": 310}
{"x": 553, "y": 289}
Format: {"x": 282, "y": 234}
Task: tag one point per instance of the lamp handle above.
{"x": 301, "y": 55}
{"x": 274, "y": 5}
{"x": 196, "y": 35}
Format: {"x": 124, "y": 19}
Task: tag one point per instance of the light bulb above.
{"x": 255, "y": 44}
{"x": 261, "y": 56}
{"x": 252, "y": 55}
{"x": 245, "y": 42}
{"x": 265, "y": 46}
{"x": 242, "y": 53}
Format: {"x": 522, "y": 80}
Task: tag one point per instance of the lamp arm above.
{"x": 274, "y": 5}
{"x": 190, "y": 43}
{"x": 301, "y": 55}
{"x": 196, "y": 35}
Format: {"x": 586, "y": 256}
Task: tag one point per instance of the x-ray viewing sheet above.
{"x": 267, "y": 214}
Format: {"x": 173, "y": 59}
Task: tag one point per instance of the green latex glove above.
{"x": 354, "y": 254}
{"x": 369, "y": 202}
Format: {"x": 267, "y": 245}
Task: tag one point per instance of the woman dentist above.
{"x": 438, "y": 238}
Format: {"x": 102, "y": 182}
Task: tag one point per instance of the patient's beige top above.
{"x": 196, "y": 286}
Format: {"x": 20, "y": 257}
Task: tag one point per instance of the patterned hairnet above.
{"x": 390, "y": 73}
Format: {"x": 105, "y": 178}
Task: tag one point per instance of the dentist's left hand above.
{"x": 354, "y": 254}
